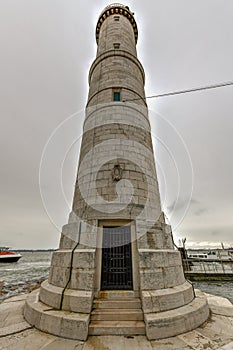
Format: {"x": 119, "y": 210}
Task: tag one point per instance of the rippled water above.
{"x": 34, "y": 267}
{"x": 31, "y": 268}
{"x": 222, "y": 289}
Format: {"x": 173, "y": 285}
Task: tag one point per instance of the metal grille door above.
{"x": 116, "y": 259}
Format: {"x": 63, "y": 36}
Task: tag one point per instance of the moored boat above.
{"x": 211, "y": 255}
{"x": 7, "y": 256}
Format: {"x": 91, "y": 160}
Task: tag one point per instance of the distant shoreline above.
{"x": 34, "y": 250}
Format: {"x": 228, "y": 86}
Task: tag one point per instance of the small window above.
{"x": 116, "y": 18}
{"x": 116, "y": 96}
{"x": 116, "y": 46}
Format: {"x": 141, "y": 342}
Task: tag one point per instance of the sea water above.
{"x": 34, "y": 267}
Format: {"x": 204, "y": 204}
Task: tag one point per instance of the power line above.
{"x": 209, "y": 87}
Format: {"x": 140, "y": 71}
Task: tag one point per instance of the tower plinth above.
{"x": 116, "y": 270}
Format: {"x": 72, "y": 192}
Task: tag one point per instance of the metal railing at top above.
{"x": 115, "y": 5}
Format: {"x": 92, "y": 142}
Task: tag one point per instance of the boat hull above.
{"x": 9, "y": 259}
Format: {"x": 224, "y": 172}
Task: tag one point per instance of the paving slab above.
{"x": 64, "y": 344}
{"x": 173, "y": 343}
{"x": 32, "y": 341}
{"x": 198, "y": 341}
{"x": 11, "y": 317}
{"x": 145, "y": 345}
{"x": 14, "y": 328}
{"x": 19, "y": 297}
{"x": 219, "y": 329}
{"x": 8, "y": 342}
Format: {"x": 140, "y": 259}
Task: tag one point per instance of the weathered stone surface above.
{"x": 160, "y": 269}
{"x": 71, "y": 230}
{"x": 167, "y": 299}
{"x": 61, "y": 323}
{"x": 62, "y": 258}
{"x": 27, "y": 340}
{"x": 75, "y": 326}
{"x": 159, "y": 258}
{"x": 66, "y": 242}
{"x": 64, "y": 344}
{"x": 51, "y": 295}
{"x": 117, "y": 328}
{"x": 77, "y": 300}
{"x": 13, "y": 326}
{"x": 84, "y": 259}
{"x": 82, "y": 279}
{"x": 173, "y": 276}
{"x": 34, "y": 309}
{"x": 152, "y": 279}
{"x": 170, "y": 323}
{"x": 59, "y": 276}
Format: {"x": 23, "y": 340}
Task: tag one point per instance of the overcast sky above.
{"x": 47, "y": 48}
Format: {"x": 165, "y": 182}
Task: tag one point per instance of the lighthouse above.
{"x": 116, "y": 271}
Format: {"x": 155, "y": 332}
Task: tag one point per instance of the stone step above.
{"x": 133, "y": 303}
{"x": 117, "y": 328}
{"x": 118, "y": 294}
{"x": 119, "y": 315}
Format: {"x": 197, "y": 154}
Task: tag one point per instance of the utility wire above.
{"x": 209, "y": 87}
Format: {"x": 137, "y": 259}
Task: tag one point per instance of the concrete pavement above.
{"x": 215, "y": 334}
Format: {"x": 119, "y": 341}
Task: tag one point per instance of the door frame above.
{"x": 134, "y": 252}
{"x": 110, "y": 256}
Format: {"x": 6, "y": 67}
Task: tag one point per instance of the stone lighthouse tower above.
{"x": 116, "y": 270}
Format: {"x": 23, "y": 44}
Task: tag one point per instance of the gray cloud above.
{"x": 177, "y": 205}
{"x": 200, "y": 211}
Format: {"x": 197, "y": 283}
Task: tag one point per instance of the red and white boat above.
{"x": 7, "y": 256}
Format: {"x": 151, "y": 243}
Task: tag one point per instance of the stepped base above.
{"x": 64, "y": 324}
{"x": 184, "y": 319}
{"x": 215, "y": 334}
{"x": 116, "y": 317}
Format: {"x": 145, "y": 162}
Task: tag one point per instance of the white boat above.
{"x": 7, "y": 256}
{"x": 224, "y": 255}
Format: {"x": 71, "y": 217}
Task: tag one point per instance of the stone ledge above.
{"x": 171, "y": 323}
{"x": 78, "y": 300}
{"x": 167, "y": 299}
{"x": 60, "y": 323}
{"x": 72, "y": 300}
{"x": 51, "y": 295}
